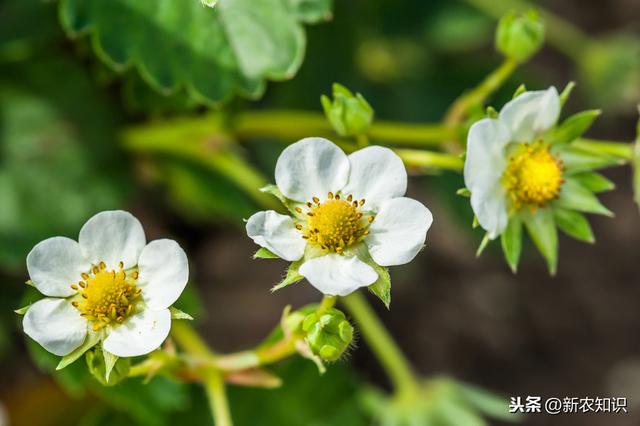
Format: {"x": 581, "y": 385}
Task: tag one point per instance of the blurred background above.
{"x": 577, "y": 334}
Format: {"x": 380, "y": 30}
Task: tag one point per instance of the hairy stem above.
{"x": 382, "y": 344}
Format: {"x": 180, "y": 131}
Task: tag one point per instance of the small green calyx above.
{"x": 349, "y": 114}
{"x": 328, "y": 334}
{"x": 106, "y": 368}
{"x": 520, "y": 36}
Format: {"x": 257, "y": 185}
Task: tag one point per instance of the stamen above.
{"x": 362, "y": 202}
{"x": 330, "y": 195}
{"x": 316, "y": 200}
{"x": 298, "y": 209}
{"x": 350, "y": 198}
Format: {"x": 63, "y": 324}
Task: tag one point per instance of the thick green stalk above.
{"x": 382, "y": 344}
{"x": 213, "y": 380}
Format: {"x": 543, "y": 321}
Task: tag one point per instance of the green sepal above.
{"x": 23, "y": 310}
{"x": 475, "y": 222}
{"x": 491, "y": 112}
{"x": 574, "y": 224}
{"x": 542, "y": 230}
{"x": 636, "y": 165}
{"x": 483, "y": 244}
{"x": 90, "y": 341}
{"x": 275, "y": 191}
{"x": 577, "y": 160}
{"x": 381, "y": 288}
{"x": 292, "y": 277}
{"x": 264, "y": 253}
{"x": 574, "y": 196}
{"x": 463, "y": 192}
{"x": 30, "y": 283}
{"x": 519, "y": 91}
{"x": 107, "y": 368}
{"x": 177, "y": 314}
{"x": 566, "y": 92}
{"x": 594, "y": 182}
{"x": 511, "y": 240}
{"x": 574, "y": 126}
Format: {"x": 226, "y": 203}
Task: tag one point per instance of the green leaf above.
{"x": 488, "y": 403}
{"x": 511, "y": 240}
{"x": 577, "y": 160}
{"x": 594, "y": 182}
{"x": 574, "y": 196}
{"x": 292, "y": 276}
{"x": 212, "y": 53}
{"x": 177, "y": 314}
{"x": 542, "y": 229}
{"x": 574, "y": 127}
{"x": 264, "y": 253}
{"x": 574, "y": 224}
{"x": 90, "y": 341}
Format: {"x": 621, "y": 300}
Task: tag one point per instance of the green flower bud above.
{"x": 520, "y": 36}
{"x": 106, "y": 368}
{"x": 348, "y": 114}
{"x": 328, "y": 334}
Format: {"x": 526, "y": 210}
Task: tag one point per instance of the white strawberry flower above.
{"x": 509, "y": 165}
{"x": 349, "y": 215}
{"x": 108, "y": 286}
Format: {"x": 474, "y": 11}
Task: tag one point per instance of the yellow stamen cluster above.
{"x": 106, "y": 297}
{"x": 533, "y": 176}
{"x": 336, "y": 223}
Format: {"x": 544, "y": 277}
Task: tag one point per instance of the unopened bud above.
{"x": 520, "y": 36}
{"x": 328, "y": 334}
{"x": 349, "y": 114}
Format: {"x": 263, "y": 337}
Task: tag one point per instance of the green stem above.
{"x": 560, "y": 33}
{"x": 213, "y": 379}
{"x": 291, "y": 125}
{"x": 430, "y": 160}
{"x": 382, "y": 344}
{"x": 479, "y": 94}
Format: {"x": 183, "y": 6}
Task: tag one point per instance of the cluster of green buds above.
{"x": 520, "y": 36}
{"x": 349, "y": 114}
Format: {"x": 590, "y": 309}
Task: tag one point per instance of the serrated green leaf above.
{"x": 90, "y": 341}
{"x": 574, "y": 196}
{"x": 594, "y": 182}
{"x": 212, "y": 53}
{"x": 577, "y": 160}
{"x": 573, "y": 127}
{"x": 574, "y": 224}
{"x": 511, "y": 240}
{"x": 292, "y": 276}
{"x": 177, "y": 314}
{"x": 566, "y": 92}
{"x": 264, "y": 253}
{"x": 542, "y": 230}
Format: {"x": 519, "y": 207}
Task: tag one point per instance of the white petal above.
{"x": 489, "y": 203}
{"x": 163, "y": 273}
{"x": 54, "y": 264}
{"x": 311, "y": 167}
{"x": 56, "y": 325}
{"x": 112, "y": 237}
{"x": 277, "y": 233}
{"x": 486, "y": 157}
{"x": 144, "y": 332}
{"x": 376, "y": 174}
{"x": 531, "y": 113}
{"x": 398, "y": 232}
{"x": 338, "y": 275}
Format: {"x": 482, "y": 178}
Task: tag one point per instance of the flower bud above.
{"x": 328, "y": 334}
{"x": 349, "y": 115}
{"x": 98, "y": 367}
{"x": 520, "y": 36}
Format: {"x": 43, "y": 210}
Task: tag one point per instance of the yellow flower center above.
{"x": 533, "y": 176}
{"x": 336, "y": 223}
{"x": 106, "y": 297}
